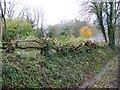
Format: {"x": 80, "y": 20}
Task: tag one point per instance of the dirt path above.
{"x": 110, "y": 78}
{"x": 107, "y": 76}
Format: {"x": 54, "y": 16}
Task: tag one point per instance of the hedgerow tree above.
{"x": 18, "y": 28}
{"x": 59, "y": 29}
{"x": 107, "y": 14}
{"x": 85, "y": 32}
{"x": 3, "y": 19}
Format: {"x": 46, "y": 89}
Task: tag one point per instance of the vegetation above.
{"x": 55, "y": 56}
{"x": 107, "y": 14}
{"x": 85, "y": 32}
{"x": 18, "y": 29}
{"x": 29, "y": 68}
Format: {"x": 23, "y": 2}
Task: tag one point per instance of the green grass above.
{"x": 27, "y": 68}
{"x": 71, "y": 39}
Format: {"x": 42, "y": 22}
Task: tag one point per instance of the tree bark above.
{"x": 100, "y": 18}
{"x": 111, "y": 32}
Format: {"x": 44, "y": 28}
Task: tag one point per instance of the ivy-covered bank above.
{"x": 28, "y": 68}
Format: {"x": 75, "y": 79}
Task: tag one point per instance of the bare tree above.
{"x": 2, "y": 15}
{"x": 39, "y": 17}
{"x": 36, "y": 16}
{"x": 22, "y": 14}
{"x": 10, "y": 9}
{"x": 42, "y": 21}
{"x": 107, "y": 14}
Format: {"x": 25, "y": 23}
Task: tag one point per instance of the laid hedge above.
{"x": 55, "y": 69}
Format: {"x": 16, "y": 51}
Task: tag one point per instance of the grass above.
{"x": 27, "y": 68}
{"x": 71, "y": 39}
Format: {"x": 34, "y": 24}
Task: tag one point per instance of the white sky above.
{"x": 55, "y": 10}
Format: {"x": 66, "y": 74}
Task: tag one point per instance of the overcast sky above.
{"x": 55, "y": 10}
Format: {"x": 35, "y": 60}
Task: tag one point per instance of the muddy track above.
{"x": 90, "y": 83}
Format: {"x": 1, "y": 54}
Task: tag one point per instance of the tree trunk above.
{"x": 99, "y": 13}
{"x": 4, "y": 35}
{"x": 103, "y": 31}
{"x": 111, "y": 31}
{"x": 3, "y": 12}
{"x": 111, "y": 36}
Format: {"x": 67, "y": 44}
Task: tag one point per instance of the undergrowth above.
{"x": 27, "y": 68}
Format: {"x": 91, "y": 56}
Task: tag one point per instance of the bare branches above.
{"x": 38, "y": 17}
{"x": 10, "y": 10}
